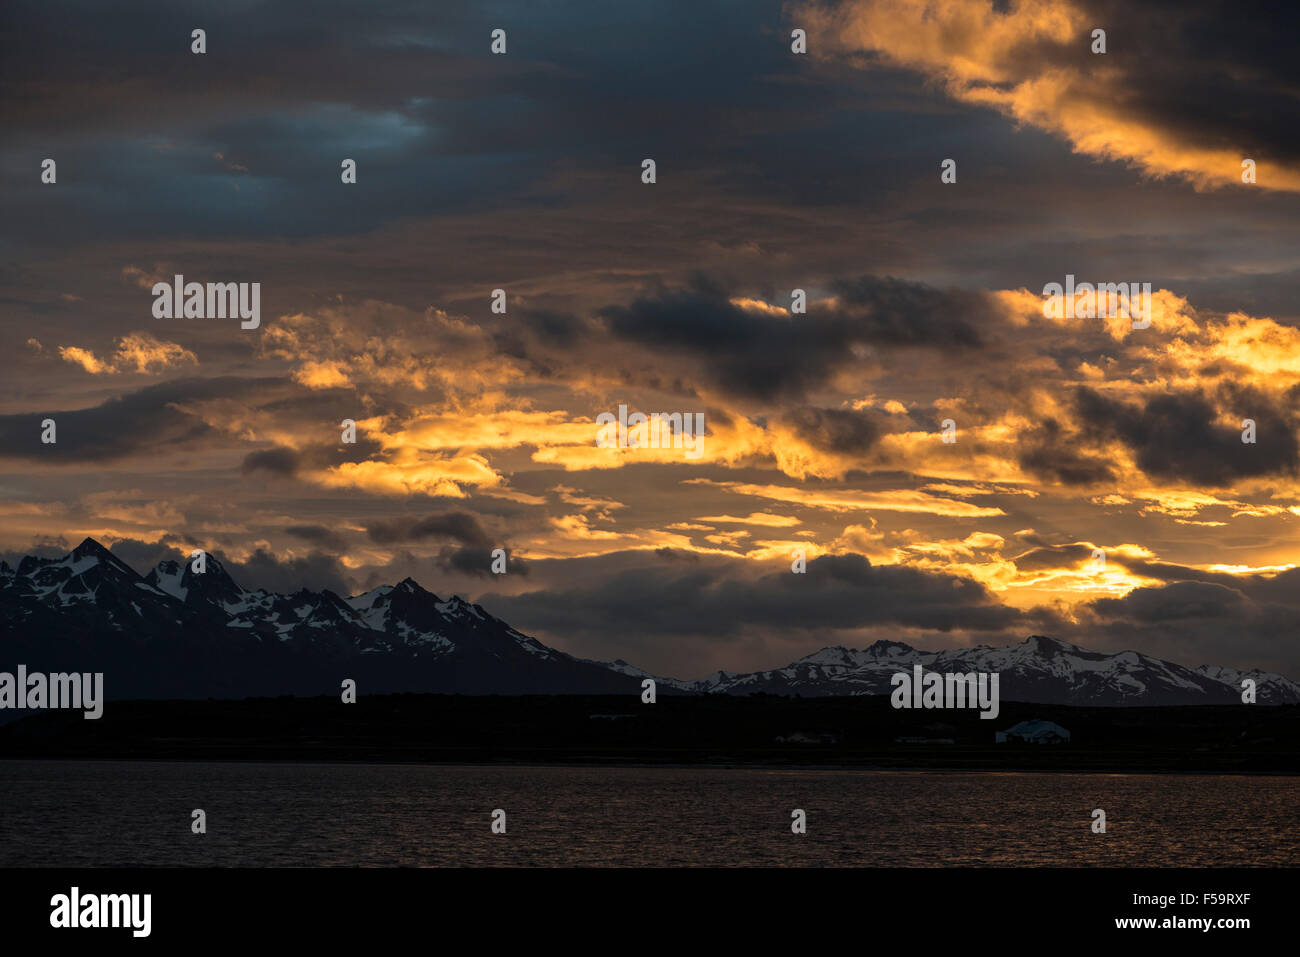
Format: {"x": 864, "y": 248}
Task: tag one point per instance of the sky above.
{"x": 1069, "y": 437}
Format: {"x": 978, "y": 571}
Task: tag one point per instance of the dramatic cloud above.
{"x": 1034, "y": 61}
{"x": 140, "y": 353}
{"x": 1184, "y": 437}
{"x": 461, "y": 527}
{"x": 161, "y": 418}
{"x": 765, "y": 353}
{"x": 680, "y": 614}
{"x": 316, "y": 571}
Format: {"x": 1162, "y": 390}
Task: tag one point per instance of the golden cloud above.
{"x": 137, "y": 352}
{"x": 982, "y": 57}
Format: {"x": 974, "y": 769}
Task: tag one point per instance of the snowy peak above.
{"x": 89, "y": 548}
{"x": 77, "y": 578}
{"x": 1042, "y": 645}
{"x": 890, "y": 649}
{"x": 167, "y": 577}
{"x": 838, "y": 656}
{"x": 213, "y": 585}
{"x": 1039, "y": 669}
{"x": 367, "y": 600}
{"x": 90, "y": 555}
{"x": 409, "y": 586}
{"x": 835, "y": 657}
{"x": 1269, "y": 688}
{"x": 457, "y": 607}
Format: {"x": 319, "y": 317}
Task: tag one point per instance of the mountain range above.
{"x": 175, "y": 633}
{"x": 1040, "y": 669}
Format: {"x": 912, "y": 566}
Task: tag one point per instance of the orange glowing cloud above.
{"x": 410, "y": 472}
{"x": 850, "y": 500}
{"x": 138, "y": 352}
{"x": 1011, "y": 61}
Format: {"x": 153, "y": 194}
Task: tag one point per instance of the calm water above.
{"x": 77, "y": 813}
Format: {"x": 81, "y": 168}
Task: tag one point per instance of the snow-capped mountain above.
{"x": 177, "y": 634}
{"x": 1270, "y": 688}
{"x": 1038, "y": 670}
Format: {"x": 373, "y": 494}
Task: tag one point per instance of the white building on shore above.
{"x": 1034, "y": 731}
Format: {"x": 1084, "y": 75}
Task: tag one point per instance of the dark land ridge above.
{"x": 851, "y": 732}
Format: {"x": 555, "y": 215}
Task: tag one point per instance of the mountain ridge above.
{"x": 177, "y": 633}
{"x": 1039, "y": 669}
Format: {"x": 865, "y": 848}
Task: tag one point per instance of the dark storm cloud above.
{"x": 462, "y": 527}
{"x": 315, "y": 571}
{"x": 900, "y": 313}
{"x": 278, "y": 461}
{"x": 287, "y": 462}
{"x": 546, "y": 341}
{"x": 1196, "y": 600}
{"x": 758, "y": 355}
{"x": 843, "y": 431}
{"x": 1215, "y": 74}
{"x": 1248, "y": 621}
{"x": 145, "y": 556}
{"x": 150, "y": 420}
{"x": 815, "y": 168}
{"x": 476, "y": 561}
{"x": 1048, "y": 557}
{"x": 557, "y": 329}
{"x": 712, "y": 601}
{"x": 1178, "y": 437}
{"x": 320, "y": 535}
{"x": 435, "y": 122}
{"x": 1051, "y": 454}
{"x": 1171, "y": 572}
{"x": 261, "y": 57}
{"x": 46, "y": 547}
{"x": 752, "y": 355}
{"x": 1270, "y": 294}
{"x": 1218, "y": 74}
